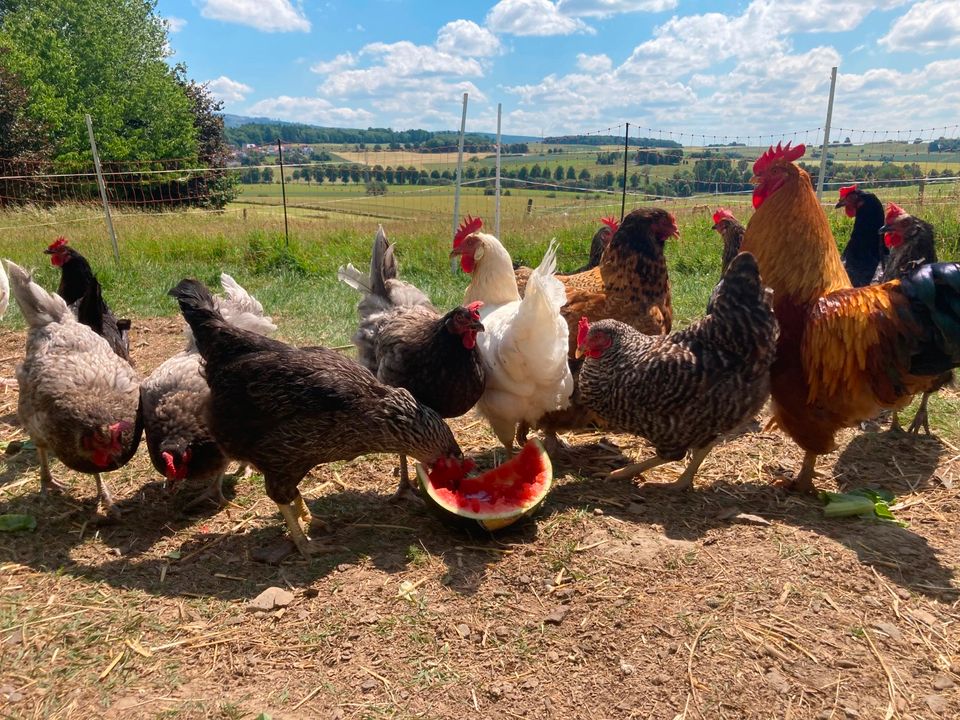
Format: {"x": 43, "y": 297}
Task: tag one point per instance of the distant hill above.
{"x": 611, "y": 140}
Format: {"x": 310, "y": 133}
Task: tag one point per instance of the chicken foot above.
{"x": 106, "y": 498}
{"x": 294, "y": 512}
{"x": 404, "y": 490}
{"x": 213, "y": 493}
{"x": 684, "y": 482}
{"x": 47, "y": 484}
{"x": 631, "y": 471}
{"x": 921, "y": 419}
{"x": 803, "y": 482}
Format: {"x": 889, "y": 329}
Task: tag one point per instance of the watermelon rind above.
{"x": 491, "y": 521}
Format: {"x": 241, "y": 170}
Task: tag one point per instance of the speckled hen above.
{"x": 683, "y": 391}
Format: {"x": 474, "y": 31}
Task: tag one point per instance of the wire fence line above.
{"x": 575, "y": 176}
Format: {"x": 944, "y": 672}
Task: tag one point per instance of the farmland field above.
{"x": 733, "y": 601}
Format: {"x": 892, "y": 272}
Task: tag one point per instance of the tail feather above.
{"x": 356, "y": 279}
{"x": 199, "y": 310}
{"x": 4, "y": 293}
{"x": 543, "y": 283}
{"x": 241, "y": 309}
{"x": 38, "y": 306}
{"x": 934, "y": 291}
{"x": 383, "y": 264}
{"x": 739, "y": 285}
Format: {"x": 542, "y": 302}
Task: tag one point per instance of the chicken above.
{"x": 4, "y": 293}
{"x": 80, "y": 288}
{"x": 285, "y": 409}
{"x": 865, "y": 255}
{"x": 524, "y": 343}
{"x": 601, "y": 238}
{"x": 406, "y": 343}
{"x": 78, "y": 399}
{"x": 731, "y": 230}
{"x": 683, "y": 391}
{"x": 844, "y": 353}
{"x": 911, "y": 244}
{"x": 631, "y": 283}
{"x": 173, "y": 398}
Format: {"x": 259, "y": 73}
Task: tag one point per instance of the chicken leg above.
{"x": 292, "y": 513}
{"x": 921, "y": 419}
{"x": 631, "y": 471}
{"x": 106, "y": 498}
{"x": 213, "y": 493}
{"x": 685, "y": 481}
{"x": 404, "y": 489}
{"x": 47, "y": 483}
{"x": 804, "y": 480}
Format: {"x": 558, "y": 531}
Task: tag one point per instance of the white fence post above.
{"x": 496, "y": 224}
{"x": 826, "y": 134}
{"x": 456, "y": 192}
{"x": 103, "y": 189}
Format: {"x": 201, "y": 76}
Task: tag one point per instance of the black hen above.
{"x": 865, "y": 255}
{"x": 80, "y": 288}
{"x": 285, "y": 409}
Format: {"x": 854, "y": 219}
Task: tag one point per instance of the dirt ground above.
{"x": 732, "y": 601}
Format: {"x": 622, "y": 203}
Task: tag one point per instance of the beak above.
{"x": 840, "y": 204}
{"x": 580, "y": 352}
{"x": 477, "y": 326}
{"x": 456, "y": 251}
{"x": 884, "y": 229}
{"x": 675, "y": 233}
{"x": 716, "y": 226}
{"x": 48, "y": 251}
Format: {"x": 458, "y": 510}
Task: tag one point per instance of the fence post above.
{"x": 623, "y": 197}
{"x": 456, "y": 190}
{"x": 283, "y": 192}
{"x": 923, "y": 185}
{"x": 826, "y": 134}
{"x": 103, "y": 188}
{"x": 496, "y": 224}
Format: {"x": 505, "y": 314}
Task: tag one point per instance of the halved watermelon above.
{"x": 496, "y": 498}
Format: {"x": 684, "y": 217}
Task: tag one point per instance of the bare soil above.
{"x": 735, "y": 600}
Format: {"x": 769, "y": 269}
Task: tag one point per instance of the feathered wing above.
{"x": 4, "y": 293}
{"x": 39, "y": 307}
{"x": 525, "y": 351}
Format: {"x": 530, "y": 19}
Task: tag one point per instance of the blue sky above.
{"x": 572, "y": 66}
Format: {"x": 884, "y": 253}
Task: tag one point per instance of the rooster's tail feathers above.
{"x": 241, "y": 309}
{"x": 38, "y": 306}
{"x": 383, "y": 264}
{"x": 542, "y": 280}
{"x": 934, "y": 290}
{"x": 739, "y": 285}
{"x": 359, "y": 281}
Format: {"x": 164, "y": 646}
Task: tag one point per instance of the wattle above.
{"x": 892, "y": 240}
{"x": 467, "y": 263}
{"x": 758, "y": 197}
{"x": 851, "y": 211}
{"x": 469, "y": 340}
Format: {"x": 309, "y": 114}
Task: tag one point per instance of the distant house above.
{"x": 250, "y": 146}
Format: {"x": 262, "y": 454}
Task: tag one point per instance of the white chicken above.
{"x": 174, "y": 398}
{"x": 524, "y": 346}
{"x": 78, "y": 399}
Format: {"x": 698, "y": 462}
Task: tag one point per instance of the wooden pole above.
{"x": 496, "y": 224}
{"x": 826, "y": 134}
{"x": 456, "y": 191}
{"x": 103, "y": 189}
{"x": 283, "y": 192}
{"x": 623, "y": 197}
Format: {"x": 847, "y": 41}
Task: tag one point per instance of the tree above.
{"x": 388, "y": 174}
{"x": 331, "y": 173}
{"x": 536, "y": 171}
{"x": 558, "y": 173}
{"x": 634, "y": 180}
{"x": 296, "y": 174}
{"x": 522, "y": 173}
{"x": 571, "y": 173}
{"x": 23, "y": 140}
{"x": 584, "y": 175}
{"x": 344, "y": 174}
{"x": 105, "y": 58}
{"x": 318, "y": 175}
{"x": 266, "y": 175}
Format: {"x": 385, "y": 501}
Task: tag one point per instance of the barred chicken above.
{"x": 731, "y": 230}
{"x": 601, "y": 238}
{"x": 82, "y": 291}
{"x": 406, "y": 343}
{"x": 173, "y": 397}
{"x": 285, "y": 409}
{"x": 683, "y": 391}
{"x": 865, "y": 255}
{"x": 78, "y": 399}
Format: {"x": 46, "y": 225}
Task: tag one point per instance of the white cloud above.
{"x": 465, "y": 37}
{"x": 340, "y": 62}
{"x": 175, "y": 24}
{"x": 266, "y": 15}
{"x": 229, "y": 90}
{"x": 594, "y": 63}
{"x": 533, "y": 17}
{"x": 606, "y": 8}
{"x": 927, "y": 26}
{"x": 310, "y": 110}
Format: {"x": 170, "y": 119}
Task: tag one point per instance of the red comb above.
{"x": 57, "y": 244}
{"x": 468, "y": 227}
{"x": 611, "y": 222}
{"x": 844, "y": 191}
{"x": 583, "y": 329}
{"x": 780, "y": 152}
{"x": 722, "y": 214}
{"x": 474, "y": 308}
{"x": 893, "y": 212}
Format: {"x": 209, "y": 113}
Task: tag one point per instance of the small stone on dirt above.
{"x": 626, "y": 668}
{"x": 943, "y": 682}
{"x": 713, "y": 602}
{"x": 924, "y": 617}
{"x": 369, "y": 684}
{"x": 529, "y": 684}
{"x": 553, "y": 656}
{"x": 889, "y": 629}
{"x": 463, "y": 630}
{"x": 777, "y": 681}
{"x": 270, "y": 599}
{"x": 274, "y": 553}
{"x": 936, "y": 703}
{"x": 557, "y": 615}
{"x": 369, "y": 619}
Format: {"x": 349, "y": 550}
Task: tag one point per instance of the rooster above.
{"x": 731, "y": 230}
{"x": 78, "y": 399}
{"x": 865, "y": 255}
{"x": 844, "y": 353}
{"x": 80, "y": 288}
{"x": 524, "y": 343}
{"x": 406, "y": 343}
{"x": 174, "y": 396}
{"x": 631, "y": 283}
{"x": 911, "y": 244}
{"x": 601, "y": 238}
{"x": 685, "y": 390}
{"x": 285, "y": 409}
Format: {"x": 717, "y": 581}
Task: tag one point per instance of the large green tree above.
{"x": 106, "y": 58}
